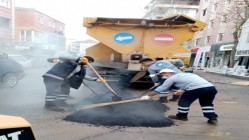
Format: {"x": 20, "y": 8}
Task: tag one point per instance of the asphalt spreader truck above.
{"x": 124, "y": 41}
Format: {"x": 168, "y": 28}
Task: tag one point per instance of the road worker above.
{"x": 191, "y": 87}
{"x": 63, "y": 76}
{"x": 154, "y": 68}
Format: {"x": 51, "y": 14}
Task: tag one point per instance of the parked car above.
{"x": 188, "y": 69}
{"x": 21, "y": 60}
{"x": 10, "y": 71}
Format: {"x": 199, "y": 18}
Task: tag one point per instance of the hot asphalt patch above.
{"x": 133, "y": 114}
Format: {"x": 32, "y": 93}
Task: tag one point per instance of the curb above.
{"x": 232, "y": 76}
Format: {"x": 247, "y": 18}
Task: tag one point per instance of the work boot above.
{"x": 163, "y": 99}
{"x": 65, "y": 105}
{"x": 174, "y": 98}
{"x": 62, "y": 103}
{"x": 70, "y": 97}
{"x": 175, "y": 117}
{"x": 213, "y": 121}
{"x": 53, "y": 107}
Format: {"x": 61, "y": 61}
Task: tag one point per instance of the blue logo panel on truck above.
{"x": 124, "y": 38}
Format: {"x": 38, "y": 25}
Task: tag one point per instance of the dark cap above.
{"x": 145, "y": 60}
{"x": 89, "y": 58}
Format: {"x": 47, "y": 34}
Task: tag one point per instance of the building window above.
{"x": 241, "y": 60}
{"x": 5, "y": 3}
{"x": 223, "y": 19}
{"x": 198, "y": 41}
{"x": 51, "y": 24}
{"x": 215, "y": 6}
{"x": 204, "y": 12}
{"x": 61, "y": 30}
{"x": 4, "y": 23}
{"x": 40, "y": 20}
{"x": 25, "y": 36}
{"x": 208, "y": 39}
{"x": 228, "y": 1}
{"x": 211, "y": 23}
{"x": 220, "y": 37}
{"x": 247, "y": 40}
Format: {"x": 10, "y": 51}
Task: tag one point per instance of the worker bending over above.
{"x": 154, "y": 68}
{"x": 191, "y": 87}
{"x": 63, "y": 76}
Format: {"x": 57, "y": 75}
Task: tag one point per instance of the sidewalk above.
{"x": 223, "y": 78}
{"x": 220, "y": 72}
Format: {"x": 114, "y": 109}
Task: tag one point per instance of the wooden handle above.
{"x": 102, "y": 78}
{"x": 109, "y": 103}
{"x": 120, "y": 102}
{"x": 148, "y": 90}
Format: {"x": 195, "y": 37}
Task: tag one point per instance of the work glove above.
{"x": 182, "y": 68}
{"x": 101, "y": 80}
{"x": 156, "y": 84}
{"x": 83, "y": 60}
{"x": 56, "y": 60}
{"x": 179, "y": 92}
{"x": 146, "y": 97}
{"x": 152, "y": 75}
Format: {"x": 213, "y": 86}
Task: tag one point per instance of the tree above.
{"x": 237, "y": 14}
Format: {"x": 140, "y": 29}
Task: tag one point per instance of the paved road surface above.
{"x": 27, "y": 100}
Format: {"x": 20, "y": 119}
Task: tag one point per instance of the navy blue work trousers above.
{"x": 205, "y": 95}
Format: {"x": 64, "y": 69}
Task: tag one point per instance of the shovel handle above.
{"x": 120, "y": 102}
{"x": 109, "y": 103}
{"x": 105, "y": 83}
{"x": 148, "y": 90}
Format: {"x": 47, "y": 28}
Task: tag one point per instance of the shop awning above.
{"x": 228, "y": 47}
{"x": 216, "y": 47}
{"x": 182, "y": 54}
{"x": 194, "y": 50}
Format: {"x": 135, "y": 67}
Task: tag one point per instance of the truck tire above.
{"x": 9, "y": 80}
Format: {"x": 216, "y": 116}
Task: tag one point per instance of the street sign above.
{"x": 163, "y": 39}
{"x": 124, "y": 38}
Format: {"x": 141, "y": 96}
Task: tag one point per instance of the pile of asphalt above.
{"x": 133, "y": 114}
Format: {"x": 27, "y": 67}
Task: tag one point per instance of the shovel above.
{"x": 137, "y": 76}
{"x": 115, "y": 97}
{"x": 121, "y": 102}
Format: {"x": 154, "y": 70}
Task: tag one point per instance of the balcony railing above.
{"x": 179, "y": 2}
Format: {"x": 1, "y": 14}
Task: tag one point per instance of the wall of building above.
{"x": 157, "y": 9}
{"x": 38, "y": 32}
{"x": 243, "y": 46}
{"x": 44, "y": 30}
{"x": 214, "y": 12}
{"x": 5, "y": 24}
{"x": 25, "y": 19}
{"x": 30, "y": 18}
